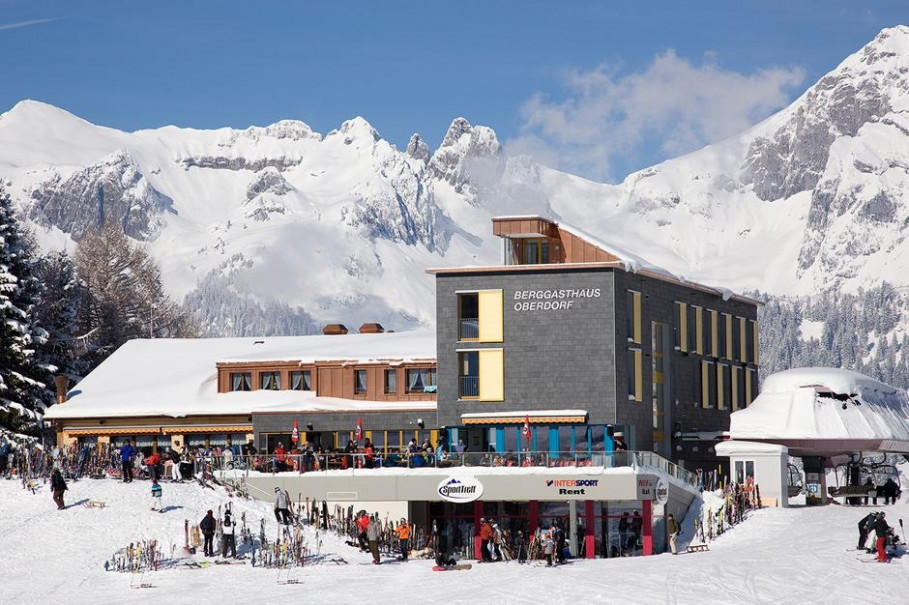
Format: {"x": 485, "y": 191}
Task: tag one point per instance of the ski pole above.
{"x": 903, "y": 529}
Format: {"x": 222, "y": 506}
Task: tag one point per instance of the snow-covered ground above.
{"x": 797, "y": 555}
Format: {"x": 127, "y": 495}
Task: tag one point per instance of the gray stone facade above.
{"x": 577, "y": 357}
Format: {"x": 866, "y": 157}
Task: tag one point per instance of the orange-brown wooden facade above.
{"x": 335, "y": 378}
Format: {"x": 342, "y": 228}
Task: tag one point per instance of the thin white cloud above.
{"x": 672, "y": 106}
{"x": 27, "y": 23}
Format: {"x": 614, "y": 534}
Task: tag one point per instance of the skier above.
{"x": 156, "y": 496}
{"x": 496, "y": 545}
{"x": 865, "y": 526}
{"x": 151, "y": 463}
{"x": 485, "y": 537}
{"x": 624, "y": 524}
{"x": 372, "y": 535}
{"x": 362, "y": 527}
{"x": 521, "y": 547}
{"x": 548, "y": 546}
{"x": 403, "y": 532}
{"x": 282, "y": 507}
{"x": 228, "y": 536}
{"x": 207, "y": 526}
{"x": 58, "y": 485}
{"x": 558, "y": 538}
{"x": 891, "y": 491}
{"x": 881, "y": 530}
{"x": 674, "y": 531}
{"x": 127, "y": 452}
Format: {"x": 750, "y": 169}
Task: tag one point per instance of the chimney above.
{"x": 371, "y": 328}
{"x": 334, "y": 329}
{"x": 62, "y": 384}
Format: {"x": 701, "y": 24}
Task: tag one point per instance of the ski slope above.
{"x": 779, "y": 556}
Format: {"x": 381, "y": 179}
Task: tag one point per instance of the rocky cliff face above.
{"x": 113, "y": 190}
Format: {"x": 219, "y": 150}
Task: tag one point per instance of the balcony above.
{"x": 469, "y": 329}
{"x": 468, "y": 387}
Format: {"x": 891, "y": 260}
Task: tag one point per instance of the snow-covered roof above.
{"x": 178, "y": 377}
{"x": 825, "y": 404}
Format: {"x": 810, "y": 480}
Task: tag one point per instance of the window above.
{"x": 738, "y": 388}
{"x": 753, "y": 329}
{"x": 696, "y": 330}
{"x": 635, "y": 375}
{"x": 241, "y": 381}
{"x": 481, "y": 316}
{"x": 633, "y": 313}
{"x": 469, "y": 375}
{"x": 728, "y": 332}
{"x": 301, "y": 380}
{"x": 359, "y": 382}
{"x": 270, "y": 381}
{"x": 737, "y": 345}
{"x": 681, "y": 327}
{"x": 391, "y": 381}
{"x": 421, "y": 381}
{"x": 748, "y": 351}
{"x": 750, "y": 386}
{"x": 744, "y": 469}
{"x": 708, "y": 385}
{"x": 469, "y": 316}
{"x": 714, "y": 349}
{"x": 534, "y": 251}
{"x": 724, "y": 386}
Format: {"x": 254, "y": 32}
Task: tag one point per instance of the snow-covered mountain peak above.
{"x": 358, "y": 128}
{"x": 417, "y": 148}
{"x": 294, "y": 130}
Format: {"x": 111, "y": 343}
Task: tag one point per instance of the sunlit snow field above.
{"x": 800, "y": 555}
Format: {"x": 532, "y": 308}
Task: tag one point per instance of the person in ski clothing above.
{"x": 156, "y": 493}
{"x": 871, "y": 489}
{"x": 151, "y": 463}
{"x": 881, "y": 530}
{"x": 403, "y": 533}
{"x": 282, "y": 507}
{"x": 228, "y": 535}
{"x": 891, "y": 491}
{"x": 207, "y": 527}
{"x": 496, "y": 543}
{"x": 127, "y": 453}
{"x": 280, "y": 457}
{"x": 485, "y": 537}
{"x": 624, "y": 524}
{"x": 362, "y": 526}
{"x": 674, "y": 530}
{"x": 548, "y": 546}
{"x": 865, "y": 526}
{"x": 372, "y": 535}
{"x": 520, "y": 546}
{"x": 58, "y": 485}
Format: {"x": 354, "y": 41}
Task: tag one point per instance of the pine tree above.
{"x": 23, "y": 381}
{"x": 60, "y": 313}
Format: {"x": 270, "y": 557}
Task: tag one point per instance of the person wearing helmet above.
{"x": 881, "y": 530}
{"x": 403, "y": 533}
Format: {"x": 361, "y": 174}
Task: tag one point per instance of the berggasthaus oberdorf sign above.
{"x": 552, "y": 300}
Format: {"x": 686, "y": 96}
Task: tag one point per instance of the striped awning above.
{"x": 126, "y": 430}
{"x": 485, "y": 420}
{"x": 157, "y": 430}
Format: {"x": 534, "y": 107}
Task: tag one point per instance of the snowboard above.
{"x": 458, "y": 567}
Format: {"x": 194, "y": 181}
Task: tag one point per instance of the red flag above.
{"x": 525, "y": 430}
{"x": 295, "y": 435}
{"x": 358, "y": 432}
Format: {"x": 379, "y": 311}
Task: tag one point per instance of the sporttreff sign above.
{"x": 465, "y": 489}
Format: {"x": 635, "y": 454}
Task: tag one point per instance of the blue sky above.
{"x": 597, "y": 88}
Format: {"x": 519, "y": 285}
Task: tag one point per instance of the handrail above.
{"x": 301, "y": 463}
